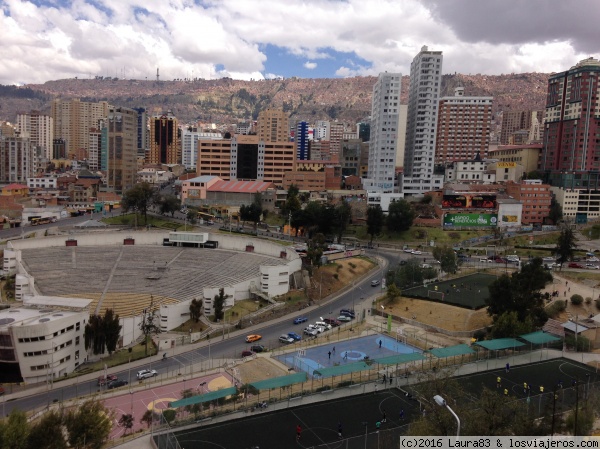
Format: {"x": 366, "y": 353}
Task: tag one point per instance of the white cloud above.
{"x": 229, "y": 37}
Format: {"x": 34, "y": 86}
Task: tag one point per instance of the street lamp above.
{"x": 442, "y": 403}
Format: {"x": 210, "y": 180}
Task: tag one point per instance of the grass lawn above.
{"x": 416, "y": 234}
{"x": 156, "y": 222}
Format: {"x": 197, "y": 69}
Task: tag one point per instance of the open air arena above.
{"x": 126, "y": 277}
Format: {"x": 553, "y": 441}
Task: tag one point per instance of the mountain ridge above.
{"x": 228, "y": 101}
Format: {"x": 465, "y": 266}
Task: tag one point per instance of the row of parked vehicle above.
{"x": 325, "y": 324}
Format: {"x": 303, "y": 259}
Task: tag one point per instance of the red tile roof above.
{"x": 15, "y": 186}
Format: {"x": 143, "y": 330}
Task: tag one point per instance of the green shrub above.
{"x": 323, "y": 388}
{"x": 345, "y": 383}
{"x": 588, "y": 300}
{"x": 576, "y": 299}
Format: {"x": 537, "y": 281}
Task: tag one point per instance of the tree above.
{"x": 565, "y": 244}
{"x": 89, "y": 425}
{"x": 400, "y": 216}
{"x": 148, "y": 326}
{"x": 195, "y": 309}
{"x": 520, "y": 293}
{"x": 411, "y": 274}
{"x": 252, "y": 212}
{"x": 102, "y": 333}
{"x": 111, "y": 329}
{"x": 447, "y": 258}
{"x": 343, "y": 215}
{"x": 147, "y": 418}
{"x": 314, "y": 249}
{"x": 508, "y": 325}
{"x": 126, "y": 422}
{"x": 169, "y": 415}
{"x": 219, "y": 304}
{"x": 375, "y": 220}
{"x": 16, "y": 430}
{"x": 555, "y": 213}
{"x": 139, "y": 198}
{"x": 169, "y": 204}
{"x": 48, "y": 432}
{"x": 292, "y": 202}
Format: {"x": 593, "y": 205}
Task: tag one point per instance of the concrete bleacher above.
{"x": 117, "y": 276}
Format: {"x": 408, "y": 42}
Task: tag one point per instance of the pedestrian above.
{"x": 384, "y": 379}
{"x": 560, "y": 383}
{"x": 329, "y": 354}
{"x": 390, "y": 379}
{"x": 524, "y": 387}
{"x": 380, "y": 344}
{"x": 541, "y": 389}
{"x": 565, "y": 292}
{"x": 528, "y": 389}
{"x": 333, "y": 350}
{"x": 573, "y": 382}
{"x": 507, "y": 367}
{"x": 298, "y": 431}
{"x": 498, "y": 382}
{"x": 377, "y": 426}
{"x": 346, "y": 355}
{"x": 384, "y": 418}
{"x": 375, "y": 388}
{"x": 506, "y": 392}
{"x": 401, "y": 414}
{"x": 569, "y": 289}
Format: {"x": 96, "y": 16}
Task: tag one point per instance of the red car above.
{"x": 104, "y": 380}
{"x": 575, "y": 265}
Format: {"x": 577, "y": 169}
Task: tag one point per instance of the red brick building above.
{"x": 534, "y": 196}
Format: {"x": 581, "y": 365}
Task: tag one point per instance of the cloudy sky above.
{"x": 44, "y": 40}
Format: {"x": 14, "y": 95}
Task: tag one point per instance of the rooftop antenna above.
{"x": 157, "y": 75}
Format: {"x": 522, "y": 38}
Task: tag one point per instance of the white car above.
{"x": 344, "y": 318}
{"x": 323, "y": 324}
{"x": 409, "y": 251}
{"x": 593, "y": 259}
{"x": 310, "y": 331}
{"x": 592, "y": 266}
{"x": 146, "y": 373}
{"x": 416, "y": 252}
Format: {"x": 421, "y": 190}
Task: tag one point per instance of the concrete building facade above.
{"x": 421, "y": 126}
{"x": 463, "y": 128}
{"x": 40, "y": 128}
{"x": 165, "y": 147}
{"x": 535, "y": 197}
{"x": 121, "y": 148}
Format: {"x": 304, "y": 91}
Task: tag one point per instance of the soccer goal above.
{"x": 435, "y": 295}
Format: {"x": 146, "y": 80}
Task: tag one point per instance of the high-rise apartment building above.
{"x": 273, "y": 126}
{"x": 321, "y": 131}
{"x": 40, "y": 128}
{"x": 364, "y": 131}
{"x": 514, "y": 121}
{"x": 189, "y": 146}
{"x": 121, "y": 148}
{"x": 95, "y": 149}
{"x": 301, "y": 139}
{"x": 17, "y": 159}
{"x": 142, "y": 131}
{"x": 385, "y": 106}
{"x": 421, "y": 126}
{"x": 336, "y": 135}
{"x": 73, "y": 120}
{"x": 463, "y": 129}
{"x": 164, "y": 140}
{"x": 571, "y": 153}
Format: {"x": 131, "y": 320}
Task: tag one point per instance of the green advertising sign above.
{"x": 470, "y": 220}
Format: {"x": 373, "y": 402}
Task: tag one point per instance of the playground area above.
{"x": 345, "y": 352}
{"x": 469, "y": 291}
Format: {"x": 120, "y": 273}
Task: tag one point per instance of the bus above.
{"x": 42, "y": 220}
{"x": 209, "y": 218}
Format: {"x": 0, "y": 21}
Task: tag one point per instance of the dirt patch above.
{"x": 259, "y": 368}
{"x": 332, "y": 277}
{"x": 447, "y": 317}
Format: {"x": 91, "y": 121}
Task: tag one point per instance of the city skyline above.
{"x": 55, "y": 39}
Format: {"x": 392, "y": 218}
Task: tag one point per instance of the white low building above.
{"x": 43, "y": 339}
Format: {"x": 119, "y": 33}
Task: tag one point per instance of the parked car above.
{"x": 146, "y": 373}
{"x": 104, "y": 380}
{"x": 575, "y": 265}
{"x": 295, "y": 336}
{"x": 310, "y": 331}
{"x": 375, "y": 282}
{"x": 117, "y": 383}
{"x": 257, "y": 348}
{"x": 416, "y": 252}
{"x": 300, "y": 320}
{"x": 591, "y": 266}
{"x": 500, "y": 260}
{"x": 332, "y": 321}
{"x": 344, "y": 318}
{"x": 286, "y": 339}
{"x": 252, "y": 338}
{"x": 327, "y": 326}
{"x": 247, "y": 353}
{"x": 593, "y": 259}
{"x": 408, "y": 250}
{"x": 347, "y": 312}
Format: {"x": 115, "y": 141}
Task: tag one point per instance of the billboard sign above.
{"x": 469, "y": 201}
{"x": 470, "y": 220}
{"x": 507, "y": 164}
